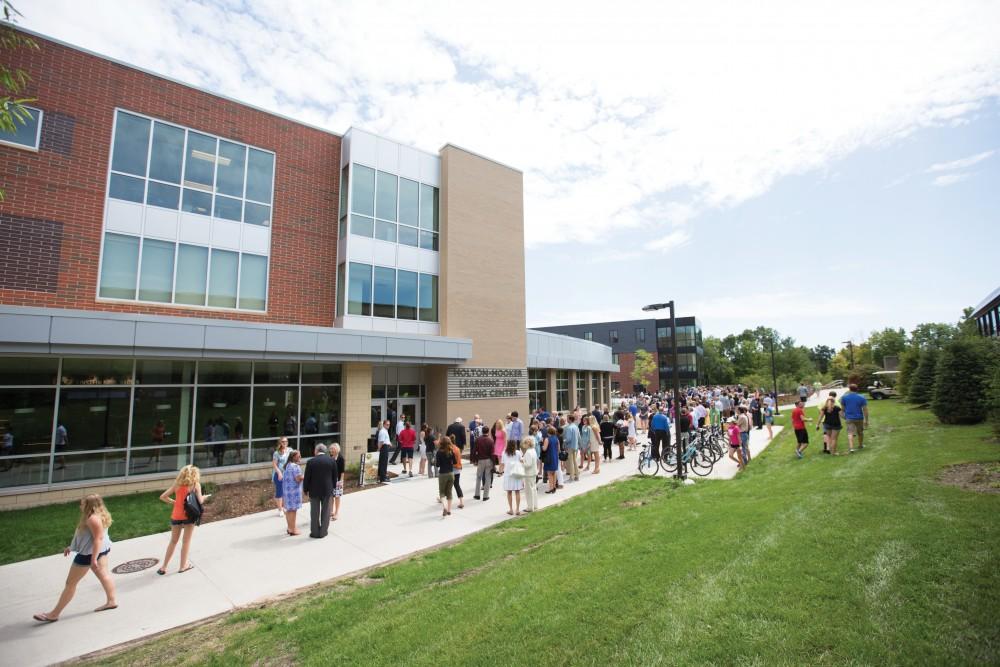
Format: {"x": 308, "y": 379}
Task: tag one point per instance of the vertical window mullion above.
{"x": 131, "y": 410}
{"x": 55, "y": 423}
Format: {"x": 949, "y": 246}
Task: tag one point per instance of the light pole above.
{"x": 681, "y": 473}
{"x": 850, "y": 347}
{"x": 774, "y": 377}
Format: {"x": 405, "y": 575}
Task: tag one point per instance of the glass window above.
{"x": 343, "y": 192}
{"x": 537, "y": 384}
{"x": 640, "y": 335}
{"x": 30, "y": 471}
{"x": 320, "y": 410}
{"x": 276, "y": 372}
{"x": 229, "y": 169}
{"x": 199, "y": 169}
{"x": 157, "y": 276}
{"x": 222, "y": 279}
{"x": 162, "y": 416}
{"x": 385, "y": 231}
{"x": 164, "y": 371}
{"x": 168, "y": 153}
{"x": 614, "y": 357}
{"x": 131, "y": 145}
{"x": 562, "y": 390}
{"x": 257, "y": 214}
{"x": 386, "y": 197}
{"x": 91, "y": 372}
{"x": 320, "y": 373}
{"x": 163, "y": 195}
{"x": 408, "y": 236}
{"x": 192, "y": 275}
{"x": 26, "y": 415}
{"x": 428, "y": 240}
{"x": 613, "y": 335}
{"x": 253, "y": 282}
{"x": 428, "y": 207}
{"x": 588, "y": 335}
{"x": 126, "y": 188}
{"x": 119, "y": 266}
{"x": 98, "y": 465}
{"x": 224, "y": 372}
{"x": 159, "y": 459}
{"x": 260, "y": 175}
{"x": 362, "y": 226}
{"x": 341, "y": 289}
{"x": 196, "y": 201}
{"x": 409, "y": 202}
{"x": 406, "y": 295}
{"x": 359, "y": 289}
{"x": 363, "y": 190}
{"x": 228, "y": 208}
{"x": 385, "y": 292}
{"x": 222, "y": 413}
{"x": 26, "y": 133}
{"x": 275, "y": 411}
{"x": 428, "y": 298}
{"x": 20, "y": 371}
{"x": 93, "y": 418}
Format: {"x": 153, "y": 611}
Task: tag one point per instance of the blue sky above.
{"x": 825, "y": 168}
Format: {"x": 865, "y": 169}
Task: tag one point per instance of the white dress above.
{"x": 511, "y": 483}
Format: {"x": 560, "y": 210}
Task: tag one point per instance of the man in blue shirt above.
{"x": 571, "y": 443}
{"x": 659, "y": 427}
{"x": 856, "y": 415}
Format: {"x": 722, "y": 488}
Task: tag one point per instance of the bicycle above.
{"x": 693, "y": 459}
{"x": 648, "y": 465}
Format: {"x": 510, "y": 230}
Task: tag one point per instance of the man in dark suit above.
{"x": 319, "y": 481}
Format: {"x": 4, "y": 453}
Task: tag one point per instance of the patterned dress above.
{"x": 292, "y": 490}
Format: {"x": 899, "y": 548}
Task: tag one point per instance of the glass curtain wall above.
{"x": 536, "y": 389}
{"x": 562, "y": 391}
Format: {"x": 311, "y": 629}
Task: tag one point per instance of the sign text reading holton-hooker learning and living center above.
{"x": 475, "y": 383}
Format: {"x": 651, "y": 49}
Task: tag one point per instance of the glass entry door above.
{"x": 409, "y": 410}
{"x": 378, "y": 415}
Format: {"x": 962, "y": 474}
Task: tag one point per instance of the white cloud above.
{"x": 963, "y": 163}
{"x": 674, "y": 239}
{"x": 945, "y": 180}
{"x": 616, "y": 116}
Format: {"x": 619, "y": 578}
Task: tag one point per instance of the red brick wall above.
{"x": 626, "y": 362}
{"x": 62, "y": 187}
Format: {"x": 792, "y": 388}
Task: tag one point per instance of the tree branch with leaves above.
{"x": 13, "y": 80}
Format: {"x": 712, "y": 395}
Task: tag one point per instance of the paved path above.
{"x": 245, "y": 560}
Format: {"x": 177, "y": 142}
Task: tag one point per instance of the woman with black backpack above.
{"x": 187, "y": 506}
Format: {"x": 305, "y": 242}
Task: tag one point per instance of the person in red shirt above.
{"x": 799, "y": 420}
{"x": 407, "y": 439}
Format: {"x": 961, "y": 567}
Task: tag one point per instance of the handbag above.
{"x": 517, "y": 469}
{"x": 192, "y": 507}
{"x": 563, "y": 455}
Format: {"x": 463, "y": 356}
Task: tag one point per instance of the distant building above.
{"x": 653, "y": 335}
{"x": 987, "y": 314}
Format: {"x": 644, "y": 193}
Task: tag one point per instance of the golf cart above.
{"x": 884, "y": 385}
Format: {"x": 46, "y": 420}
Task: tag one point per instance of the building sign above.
{"x": 484, "y": 383}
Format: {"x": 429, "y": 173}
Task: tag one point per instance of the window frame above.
{"x": 38, "y": 133}
{"x": 420, "y": 230}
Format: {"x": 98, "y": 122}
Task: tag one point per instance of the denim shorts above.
{"x": 84, "y": 560}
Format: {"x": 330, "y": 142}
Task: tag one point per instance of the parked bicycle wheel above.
{"x": 648, "y": 466}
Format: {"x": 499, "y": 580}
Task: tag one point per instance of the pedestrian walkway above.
{"x": 249, "y": 559}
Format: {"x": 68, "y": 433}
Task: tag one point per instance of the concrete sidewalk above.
{"x": 250, "y": 559}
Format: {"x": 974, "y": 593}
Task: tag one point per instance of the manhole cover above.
{"x": 137, "y": 565}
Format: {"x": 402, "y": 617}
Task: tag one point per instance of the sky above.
{"x": 823, "y": 168}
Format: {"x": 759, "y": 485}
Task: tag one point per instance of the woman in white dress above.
{"x": 512, "y": 469}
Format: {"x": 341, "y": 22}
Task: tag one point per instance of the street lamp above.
{"x": 850, "y": 347}
{"x": 774, "y": 377}
{"x": 677, "y": 383}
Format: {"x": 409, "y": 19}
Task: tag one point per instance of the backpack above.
{"x": 192, "y": 507}
{"x": 623, "y": 432}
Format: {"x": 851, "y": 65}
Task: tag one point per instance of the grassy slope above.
{"x": 860, "y": 559}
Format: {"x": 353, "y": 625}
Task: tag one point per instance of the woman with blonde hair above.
{"x": 590, "y": 424}
{"x": 92, "y": 544}
{"x": 188, "y": 479}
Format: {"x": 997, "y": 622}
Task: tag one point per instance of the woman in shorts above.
{"x": 187, "y": 479}
{"x": 735, "y": 442}
{"x": 92, "y": 544}
{"x": 769, "y": 421}
{"x": 445, "y": 459}
{"x": 830, "y": 421}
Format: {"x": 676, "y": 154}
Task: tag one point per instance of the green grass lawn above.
{"x": 862, "y": 559}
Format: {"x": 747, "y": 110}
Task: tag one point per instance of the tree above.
{"x": 13, "y": 80}
{"x": 960, "y": 383}
{"x": 921, "y": 389}
{"x": 821, "y": 356}
{"x": 932, "y": 334}
{"x": 908, "y": 362}
{"x": 645, "y": 366}
{"x": 887, "y": 343}
{"x": 718, "y": 369}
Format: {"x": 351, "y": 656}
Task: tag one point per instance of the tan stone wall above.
{"x": 355, "y": 410}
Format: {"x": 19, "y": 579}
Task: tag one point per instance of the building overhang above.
{"x": 549, "y": 350}
{"x": 25, "y": 330}
{"x": 986, "y": 303}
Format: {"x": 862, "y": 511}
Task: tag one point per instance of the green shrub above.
{"x": 960, "y": 382}
{"x": 921, "y": 387}
{"x": 993, "y": 398}
{"x": 908, "y": 363}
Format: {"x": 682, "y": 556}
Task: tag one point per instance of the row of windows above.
{"x": 538, "y": 388}
{"x": 390, "y": 208}
{"x": 640, "y": 335}
{"x": 26, "y": 134}
{"x": 168, "y": 272}
{"x": 989, "y": 323}
{"x": 382, "y": 291}
{"x": 687, "y": 336}
{"x": 172, "y": 167}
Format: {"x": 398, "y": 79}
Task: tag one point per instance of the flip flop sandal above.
{"x": 106, "y": 607}
{"x": 43, "y": 618}
{"x": 189, "y": 567}
{"x": 161, "y": 572}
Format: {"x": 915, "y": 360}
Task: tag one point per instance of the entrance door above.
{"x": 409, "y": 410}
{"x": 378, "y": 414}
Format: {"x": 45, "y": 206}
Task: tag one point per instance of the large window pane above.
{"x": 97, "y": 465}
{"x": 228, "y": 208}
{"x": 275, "y": 372}
{"x": 409, "y": 202}
{"x": 320, "y": 373}
{"x": 222, "y": 279}
{"x": 93, "y": 418}
{"x": 341, "y": 289}
{"x": 363, "y": 190}
{"x": 156, "y": 281}
{"x": 90, "y": 372}
{"x": 196, "y": 201}
{"x": 28, "y": 371}
{"x": 385, "y": 292}
{"x": 164, "y": 371}
{"x": 199, "y": 170}
{"x": 359, "y": 289}
{"x": 275, "y": 411}
{"x": 253, "y": 282}
{"x": 260, "y": 172}
{"x": 152, "y": 460}
{"x": 26, "y": 421}
{"x": 343, "y": 192}
{"x": 192, "y": 275}
{"x": 232, "y": 162}
{"x": 406, "y": 295}
{"x": 428, "y": 240}
{"x": 408, "y": 236}
{"x": 223, "y": 413}
{"x": 385, "y": 231}
{"x": 131, "y": 145}
{"x": 163, "y": 195}
{"x": 224, "y": 372}
{"x": 126, "y": 188}
{"x": 119, "y": 266}
{"x": 428, "y": 207}
{"x": 168, "y": 153}
{"x": 428, "y": 298}
{"x": 320, "y": 410}
{"x": 257, "y": 214}
{"x": 362, "y": 226}
{"x": 162, "y": 416}
{"x": 385, "y": 206}
{"x": 24, "y": 472}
